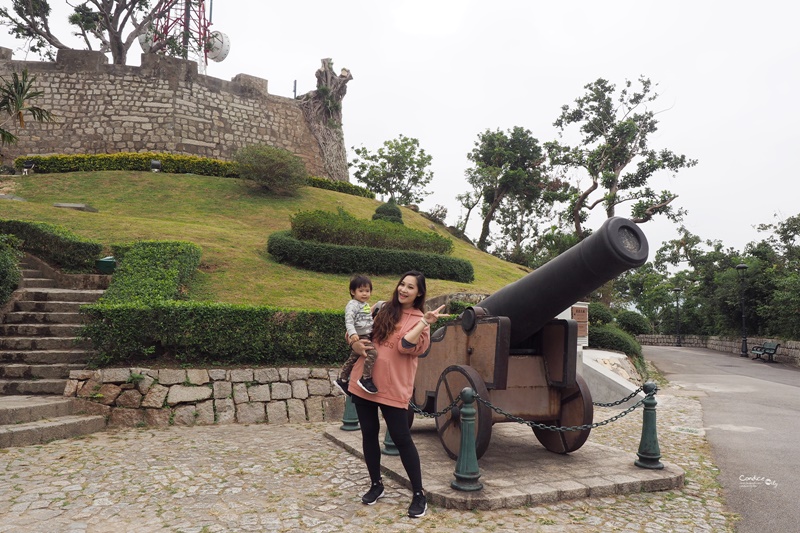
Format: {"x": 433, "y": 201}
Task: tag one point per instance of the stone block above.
{"x": 283, "y": 374}
{"x": 155, "y": 397}
{"x": 297, "y": 410}
{"x": 298, "y": 373}
{"x": 108, "y": 394}
{"x": 240, "y": 393}
{"x": 314, "y": 409}
{"x": 131, "y": 399}
{"x": 121, "y": 417}
{"x": 205, "y": 412}
{"x": 242, "y": 375}
{"x": 222, "y": 389}
{"x": 115, "y": 375}
{"x": 89, "y": 388}
{"x": 171, "y": 376}
{"x": 281, "y": 391}
{"x": 157, "y": 417}
{"x": 217, "y": 374}
{"x": 333, "y": 407}
{"x": 299, "y": 389}
{"x": 225, "y": 411}
{"x": 319, "y": 373}
{"x": 265, "y": 375}
{"x": 71, "y": 388}
{"x": 259, "y": 393}
{"x": 84, "y": 375}
{"x": 197, "y": 376}
{"x": 144, "y": 384}
{"x": 184, "y": 415}
{"x": 250, "y": 413}
{"x": 276, "y": 412}
{"x": 183, "y": 394}
{"x": 319, "y": 387}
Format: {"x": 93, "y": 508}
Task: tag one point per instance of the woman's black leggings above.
{"x": 397, "y": 423}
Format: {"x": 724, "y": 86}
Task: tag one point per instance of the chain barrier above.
{"x": 538, "y": 425}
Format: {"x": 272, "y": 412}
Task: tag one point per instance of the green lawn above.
{"x": 230, "y": 219}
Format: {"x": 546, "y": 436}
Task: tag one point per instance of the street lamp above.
{"x": 677, "y": 291}
{"x": 741, "y": 269}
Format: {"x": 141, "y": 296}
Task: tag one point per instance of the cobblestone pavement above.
{"x": 289, "y": 478}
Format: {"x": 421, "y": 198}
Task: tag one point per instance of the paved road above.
{"x": 751, "y": 414}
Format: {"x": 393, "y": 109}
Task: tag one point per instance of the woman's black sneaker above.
{"x": 372, "y": 495}
{"x": 419, "y": 504}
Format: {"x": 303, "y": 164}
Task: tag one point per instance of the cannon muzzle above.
{"x": 535, "y": 299}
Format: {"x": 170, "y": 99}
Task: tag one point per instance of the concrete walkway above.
{"x": 291, "y": 478}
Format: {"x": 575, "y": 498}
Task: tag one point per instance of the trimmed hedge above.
{"x": 10, "y": 274}
{"x": 55, "y": 244}
{"x": 633, "y": 323}
{"x": 340, "y": 186}
{"x": 599, "y": 313}
{"x": 388, "y": 212}
{"x": 610, "y": 337}
{"x": 322, "y": 257}
{"x": 173, "y": 163}
{"x": 342, "y": 228}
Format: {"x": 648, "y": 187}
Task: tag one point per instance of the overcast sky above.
{"x": 444, "y": 71}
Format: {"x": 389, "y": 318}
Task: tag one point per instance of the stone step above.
{"x": 30, "y": 272}
{"x": 48, "y": 307}
{"x": 47, "y": 371}
{"x": 45, "y": 357}
{"x": 22, "y": 409}
{"x": 43, "y": 343}
{"x": 43, "y": 431}
{"x": 32, "y": 386}
{"x": 42, "y": 318}
{"x": 40, "y": 330}
{"x": 37, "y": 283}
{"x": 60, "y": 295}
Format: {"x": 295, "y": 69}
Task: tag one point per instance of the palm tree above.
{"x": 15, "y": 97}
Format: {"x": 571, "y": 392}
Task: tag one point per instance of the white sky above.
{"x": 444, "y": 71}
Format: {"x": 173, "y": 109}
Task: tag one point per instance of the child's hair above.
{"x": 359, "y": 281}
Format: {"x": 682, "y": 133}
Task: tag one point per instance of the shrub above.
{"x": 599, "y": 313}
{"x": 340, "y": 186}
{"x": 174, "y": 163}
{"x": 277, "y": 170}
{"x": 55, "y": 244}
{"x": 388, "y": 212}
{"x": 610, "y": 337}
{"x": 344, "y": 229}
{"x": 323, "y": 257}
{"x": 438, "y": 214}
{"x": 633, "y": 323}
{"x": 9, "y": 266}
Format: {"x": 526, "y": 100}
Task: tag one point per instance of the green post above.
{"x": 350, "y": 417}
{"x": 467, "y": 472}
{"x": 388, "y": 445}
{"x": 649, "y": 453}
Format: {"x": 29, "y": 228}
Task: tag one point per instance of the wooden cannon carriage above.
{"x": 514, "y": 354}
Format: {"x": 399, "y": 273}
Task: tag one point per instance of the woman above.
{"x": 401, "y": 332}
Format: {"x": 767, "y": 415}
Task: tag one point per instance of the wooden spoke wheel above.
{"x": 451, "y": 382}
{"x": 576, "y": 410}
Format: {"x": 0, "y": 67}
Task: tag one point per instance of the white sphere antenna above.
{"x": 219, "y": 45}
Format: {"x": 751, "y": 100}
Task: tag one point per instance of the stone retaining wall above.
{"x": 141, "y": 396}
{"x": 788, "y": 351}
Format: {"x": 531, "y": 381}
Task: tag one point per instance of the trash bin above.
{"x": 106, "y": 265}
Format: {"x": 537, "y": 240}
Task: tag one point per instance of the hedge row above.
{"x": 153, "y": 271}
{"x": 340, "y": 186}
{"x": 54, "y": 244}
{"x": 9, "y": 266}
{"x": 174, "y": 163}
{"x": 610, "y": 337}
{"x": 321, "y": 257}
{"x": 344, "y": 229}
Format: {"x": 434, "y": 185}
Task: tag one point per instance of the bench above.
{"x": 768, "y": 349}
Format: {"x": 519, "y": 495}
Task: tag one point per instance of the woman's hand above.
{"x": 432, "y": 316}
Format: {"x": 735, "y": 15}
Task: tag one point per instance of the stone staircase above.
{"x": 38, "y": 349}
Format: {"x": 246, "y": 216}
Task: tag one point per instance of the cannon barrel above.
{"x": 537, "y": 298}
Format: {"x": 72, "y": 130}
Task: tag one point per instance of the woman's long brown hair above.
{"x": 391, "y": 312}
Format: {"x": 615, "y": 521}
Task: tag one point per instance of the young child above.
{"x": 358, "y": 321}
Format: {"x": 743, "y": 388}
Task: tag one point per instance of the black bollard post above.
{"x": 649, "y": 453}
{"x": 467, "y": 472}
{"x": 388, "y": 445}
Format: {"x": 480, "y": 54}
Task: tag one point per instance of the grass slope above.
{"x": 230, "y": 219}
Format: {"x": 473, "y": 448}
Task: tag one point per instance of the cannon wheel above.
{"x": 576, "y": 410}
{"x": 451, "y": 382}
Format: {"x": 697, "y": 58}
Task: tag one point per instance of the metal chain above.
{"x": 444, "y": 411}
{"x": 619, "y": 402}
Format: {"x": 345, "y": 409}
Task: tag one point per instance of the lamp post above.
{"x": 677, "y": 291}
{"x": 741, "y": 268}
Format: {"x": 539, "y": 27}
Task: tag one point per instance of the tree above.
{"x": 15, "y": 97}
{"x": 614, "y": 151}
{"x": 399, "y": 169}
{"x": 508, "y": 177}
{"x": 99, "y": 23}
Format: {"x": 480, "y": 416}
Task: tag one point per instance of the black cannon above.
{"x": 514, "y": 354}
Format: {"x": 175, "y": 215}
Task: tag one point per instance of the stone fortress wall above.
{"x": 162, "y": 106}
